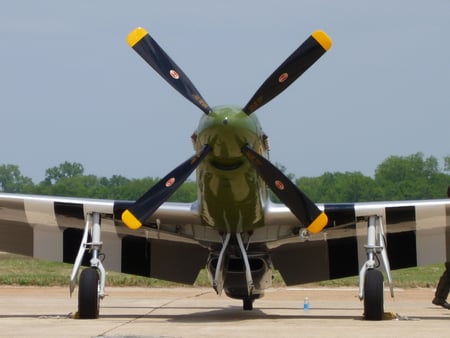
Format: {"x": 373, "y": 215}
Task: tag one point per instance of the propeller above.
{"x": 135, "y": 216}
{"x": 154, "y": 55}
{"x": 294, "y": 66}
{"x": 288, "y": 193}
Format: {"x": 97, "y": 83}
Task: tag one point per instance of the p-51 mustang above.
{"x": 233, "y": 229}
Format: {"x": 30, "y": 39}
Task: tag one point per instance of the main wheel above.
{"x": 88, "y": 300}
{"x": 373, "y": 295}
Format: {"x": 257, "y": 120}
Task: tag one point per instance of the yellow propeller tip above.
{"x": 136, "y": 35}
{"x": 130, "y": 220}
{"x": 318, "y": 224}
{"x": 323, "y": 39}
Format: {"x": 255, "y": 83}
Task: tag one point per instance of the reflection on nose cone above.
{"x": 226, "y": 130}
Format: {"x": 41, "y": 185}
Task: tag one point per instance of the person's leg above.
{"x": 443, "y": 288}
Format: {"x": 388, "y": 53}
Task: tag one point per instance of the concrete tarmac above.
{"x": 199, "y": 312}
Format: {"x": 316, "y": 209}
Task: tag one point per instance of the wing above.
{"x": 417, "y": 233}
{"x": 51, "y": 228}
{"x": 173, "y": 246}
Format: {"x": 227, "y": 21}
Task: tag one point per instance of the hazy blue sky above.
{"x": 72, "y": 90}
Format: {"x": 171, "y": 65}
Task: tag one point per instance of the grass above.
{"x": 19, "y": 270}
{"x": 423, "y": 276}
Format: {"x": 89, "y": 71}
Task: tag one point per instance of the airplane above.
{"x": 234, "y": 229}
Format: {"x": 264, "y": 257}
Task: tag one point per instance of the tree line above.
{"x": 396, "y": 178}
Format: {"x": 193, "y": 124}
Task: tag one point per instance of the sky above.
{"x": 71, "y": 89}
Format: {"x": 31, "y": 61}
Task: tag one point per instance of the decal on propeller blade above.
{"x": 174, "y": 74}
{"x": 283, "y": 77}
{"x": 170, "y": 182}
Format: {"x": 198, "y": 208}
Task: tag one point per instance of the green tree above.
{"x": 64, "y": 170}
{"x": 447, "y": 163}
{"x": 114, "y": 187}
{"x": 76, "y": 186}
{"x": 340, "y": 187}
{"x": 12, "y": 181}
{"x": 187, "y": 192}
{"x": 408, "y": 177}
{"x": 411, "y": 177}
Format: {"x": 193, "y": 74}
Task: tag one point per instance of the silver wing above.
{"x": 51, "y": 228}
{"x": 417, "y": 233}
{"x": 175, "y": 246}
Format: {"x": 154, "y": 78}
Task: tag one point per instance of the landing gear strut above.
{"x": 218, "y": 281}
{"x": 92, "y": 280}
{"x": 370, "y": 279}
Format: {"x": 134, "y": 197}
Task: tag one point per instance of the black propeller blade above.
{"x": 152, "y": 53}
{"x": 146, "y": 205}
{"x": 294, "y": 66}
{"x": 300, "y": 205}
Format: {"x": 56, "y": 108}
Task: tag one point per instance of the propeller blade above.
{"x": 300, "y": 205}
{"x": 146, "y": 205}
{"x": 154, "y": 55}
{"x": 294, "y": 66}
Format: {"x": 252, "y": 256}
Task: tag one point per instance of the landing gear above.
{"x": 88, "y": 297}
{"x": 247, "y": 304}
{"x": 243, "y": 272}
{"x": 373, "y": 295}
{"x": 218, "y": 281}
{"x": 92, "y": 280}
{"x": 370, "y": 279}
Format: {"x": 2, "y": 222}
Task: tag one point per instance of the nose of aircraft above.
{"x": 226, "y": 130}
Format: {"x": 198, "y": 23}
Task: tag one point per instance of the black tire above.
{"x": 88, "y": 300}
{"x": 247, "y": 304}
{"x": 373, "y": 295}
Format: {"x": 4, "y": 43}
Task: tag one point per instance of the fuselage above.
{"x": 231, "y": 194}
